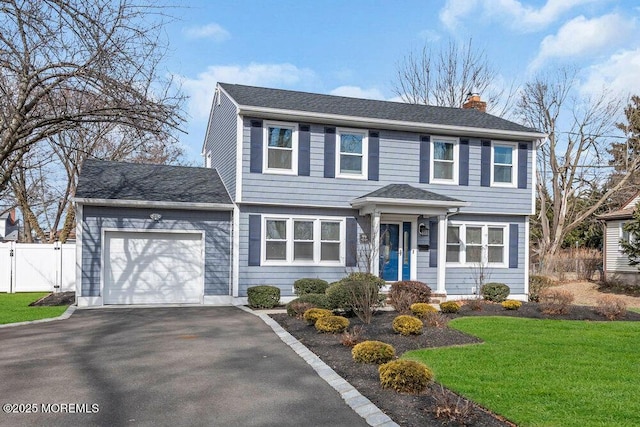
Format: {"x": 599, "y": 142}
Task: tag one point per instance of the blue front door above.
{"x": 406, "y": 250}
{"x": 389, "y": 245}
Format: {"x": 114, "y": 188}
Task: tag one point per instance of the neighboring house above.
{"x": 320, "y": 186}
{"x": 615, "y": 262}
{"x": 9, "y": 226}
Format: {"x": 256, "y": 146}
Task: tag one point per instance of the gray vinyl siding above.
{"x": 616, "y": 260}
{"x": 221, "y": 142}
{"x": 460, "y": 280}
{"x": 215, "y": 224}
{"x": 399, "y": 164}
{"x": 284, "y": 276}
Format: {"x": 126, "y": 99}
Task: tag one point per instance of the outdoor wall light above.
{"x": 423, "y": 230}
{"x": 155, "y": 217}
{"x": 364, "y": 238}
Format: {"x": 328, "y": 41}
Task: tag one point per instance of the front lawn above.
{"x": 545, "y": 372}
{"x": 15, "y": 308}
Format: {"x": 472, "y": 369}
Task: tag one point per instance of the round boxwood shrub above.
{"x": 407, "y": 325}
{"x": 338, "y": 297}
{"x": 373, "y": 352}
{"x": 263, "y": 296}
{"x": 313, "y": 314}
{"x": 511, "y": 304}
{"x": 407, "y": 292}
{"x": 405, "y": 376}
{"x": 449, "y": 307}
{"x": 332, "y": 324}
{"x": 420, "y": 309}
{"x": 365, "y": 277}
{"x": 310, "y": 286}
{"x": 496, "y": 292}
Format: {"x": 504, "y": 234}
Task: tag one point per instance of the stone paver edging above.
{"x": 363, "y": 406}
{"x": 68, "y": 312}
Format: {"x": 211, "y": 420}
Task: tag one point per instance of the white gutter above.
{"x": 406, "y": 202}
{"x": 154, "y": 204}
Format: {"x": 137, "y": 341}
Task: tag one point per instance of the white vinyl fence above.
{"x": 36, "y": 267}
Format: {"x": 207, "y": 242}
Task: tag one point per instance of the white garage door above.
{"x": 153, "y": 268}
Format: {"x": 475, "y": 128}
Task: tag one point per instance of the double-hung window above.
{"x": 504, "y": 165}
{"x": 303, "y": 240}
{"x": 280, "y": 148}
{"x": 473, "y": 244}
{"x": 351, "y": 153}
{"x": 444, "y": 161}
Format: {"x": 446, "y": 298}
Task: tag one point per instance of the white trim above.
{"x": 266, "y": 124}
{"x": 206, "y": 132}
{"x": 366, "y": 122}
{"x": 526, "y": 256}
{"x": 534, "y": 177}
{"x": 456, "y": 160}
{"x": 235, "y": 253}
{"x": 463, "y": 224}
{"x": 105, "y": 230}
{"x": 441, "y": 269}
{"x": 79, "y": 226}
{"x": 514, "y": 164}
{"x": 239, "y": 151}
{"x": 289, "y": 241}
{"x": 457, "y": 297}
{"x": 155, "y": 204}
{"x": 364, "y": 173}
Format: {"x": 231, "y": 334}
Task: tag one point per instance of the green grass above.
{"x": 15, "y": 308}
{"x": 636, "y": 309}
{"x": 545, "y": 372}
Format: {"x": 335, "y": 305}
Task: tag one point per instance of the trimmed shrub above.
{"x": 332, "y": 324}
{"x": 373, "y": 352}
{"x": 420, "y": 309}
{"x": 263, "y": 296}
{"x": 313, "y": 314}
{"x": 537, "y": 284}
{"x": 297, "y": 308}
{"x": 449, "y": 307}
{"x": 364, "y": 277}
{"x": 407, "y": 325}
{"x": 363, "y": 298}
{"x": 511, "y": 304}
{"x": 405, "y": 376}
{"x": 338, "y": 297}
{"x": 555, "y": 301}
{"x": 407, "y": 292}
{"x": 496, "y": 292}
{"x": 611, "y": 307}
{"x": 310, "y": 286}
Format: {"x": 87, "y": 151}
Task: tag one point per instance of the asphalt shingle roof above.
{"x": 407, "y": 192}
{"x": 252, "y": 96}
{"x": 145, "y": 182}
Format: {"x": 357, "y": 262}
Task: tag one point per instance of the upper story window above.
{"x": 281, "y": 148}
{"x": 504, "y": 165}
{"x": 351, "y": 154}
{"x": 477, "y": 244}
{"x": 303, "y": 240}
{"x": 444, "y": 161}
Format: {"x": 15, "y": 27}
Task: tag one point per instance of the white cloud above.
{"x": 211, "y": 31}
{"x": 429, "y": 35}
{"x": 512, "y": 13}
{"x": 619, "y": 74}
{"x": 201, "y": 88}
{"x": 358, "y": 92}
{"x": 585, "y": 37}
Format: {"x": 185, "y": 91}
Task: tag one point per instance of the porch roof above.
{"x": 404, "y": 198}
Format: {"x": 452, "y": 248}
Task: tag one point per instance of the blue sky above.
{"x": 352, "y": 47}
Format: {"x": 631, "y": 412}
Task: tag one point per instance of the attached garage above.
{"x": 153, "y": 268}
{"x": 152, "y": 234}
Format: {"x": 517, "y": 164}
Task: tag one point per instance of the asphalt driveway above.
{"x": 214, "y": 366}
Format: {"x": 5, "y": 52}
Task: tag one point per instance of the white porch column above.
{"x": 375, "y": 243}
{"x": 442, "y": 254}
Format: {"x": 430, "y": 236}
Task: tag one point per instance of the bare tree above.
{"x": 571, "y": 161}
{"x": 57, "y": 57}
{"x": 445, "y": 78}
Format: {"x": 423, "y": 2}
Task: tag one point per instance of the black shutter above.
{"x": 255, "y": 232}
{"x": 485, "y": 163}
{"x": 513, "y": 245}
{"x": 255, "y": 162}
{"x": 464, "y": 162}
{"x": 329, "y": 152}
{"x": 425, "y": 147}
{"x": 522, "y": 165}
{"x": 374, "y": 156}
{"x": 304, "y": 150}
{"x": 433, "y": 244}
{"x": 352, "y": 242}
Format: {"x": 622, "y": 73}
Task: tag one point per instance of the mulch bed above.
{"x": 415, "y": 410}
{"x": 55, "y": 299}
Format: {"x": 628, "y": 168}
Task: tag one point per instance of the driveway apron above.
{"x": 213, "y": 366}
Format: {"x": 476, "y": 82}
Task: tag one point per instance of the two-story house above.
{"x": 319, "y": 186}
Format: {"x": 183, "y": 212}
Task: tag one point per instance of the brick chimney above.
{"x": 474, "y": 101}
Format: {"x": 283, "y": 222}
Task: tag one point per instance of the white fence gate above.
{"x": 36, "y": 267}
